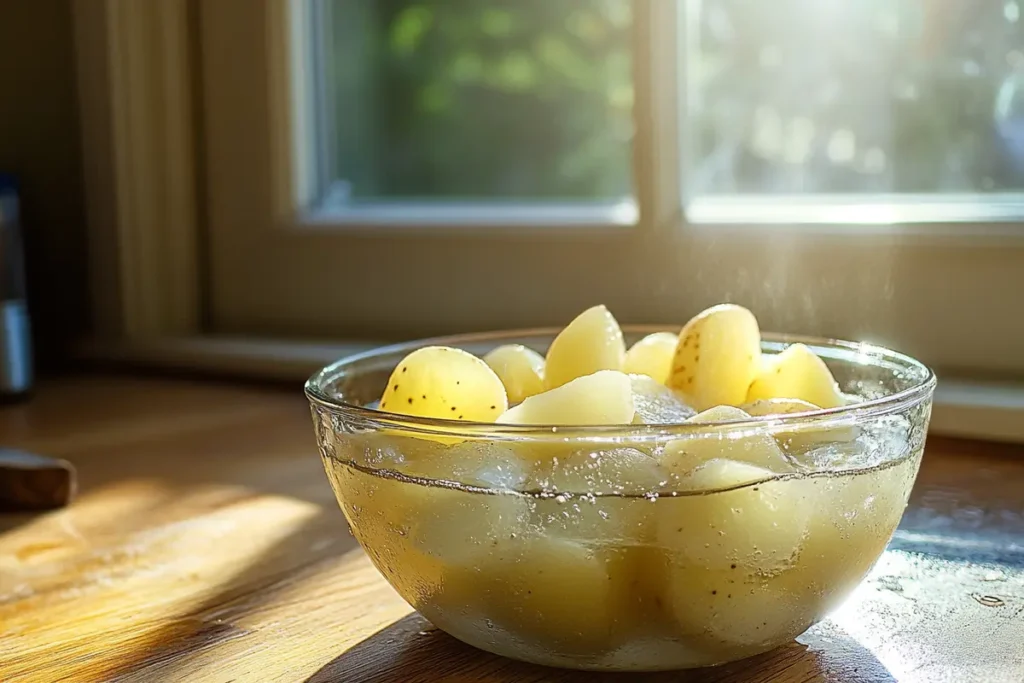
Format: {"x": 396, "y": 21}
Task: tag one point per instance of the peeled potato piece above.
{"x": 611, "y": 471}
{"x": 854, "y": 518}
{"x": 752, "y": 446}
{"x": 730, "y": 608}
{"x": 657, "y": 404}
{"x": 444, "y": 522}
{"x": 804, "y": 436}
{"x": 591, "y": 342}
{"x": 447, "y": 383}
{"x": 548, "y": 589}
{"x": 603, "y": 398}
{"x": 520, "y": 369}
{"x": 420, "y": 535}
{"x": 362, "y": 498}
{"x": 652, "y": 356}
{"x": 796, "y": 373}
{"x": 758, "y": 526}
{"x": 777, "y": 406}
{"x": 577, "y": 509}
{"x": 717, "y": 356}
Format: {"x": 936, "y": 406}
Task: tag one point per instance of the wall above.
{"x": 39, "y": 142}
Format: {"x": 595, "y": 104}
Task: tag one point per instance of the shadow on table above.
{"x": 411, "y": 650}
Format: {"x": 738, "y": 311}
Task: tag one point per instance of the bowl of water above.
{"x": 588, "y": 547}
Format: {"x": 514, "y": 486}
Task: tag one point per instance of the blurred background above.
{"x": 40, "y": 146}
{"x": 262, "y": 186}
{"x": 906, "y": 96}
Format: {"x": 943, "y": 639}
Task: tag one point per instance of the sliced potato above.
{"x": 717, "y": 356}
{"x": 447, "y": 383}
{"x": 652, "y": 356}
{"x": 802, "y": 437}
{"x": 796, "y": 373}
{"x": 420, "y": 536}
{"x": 548, "y": 589}
{"x": 609, "y": 471}
{"x": 857, "y": 509}
{"x": 440, "y": 522}
{"x": 476, "y": 463}
{"x": 640, "y": 577}
{"x": 731, "y": 608}
{"x": 854, "y": 519}
{"x": 591, "y": 342}
{"x": 520, "y": 369}
{"x": 577, "y": 509}
{"x": 777, "y": 406}
{"x": 755, "y": 447}
{"x": 656, "y": 404}
{"x": 603, "y": 398}
{"x": 759, "y": 525}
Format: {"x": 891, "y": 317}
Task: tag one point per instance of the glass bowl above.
{"x": 572, "y": 547}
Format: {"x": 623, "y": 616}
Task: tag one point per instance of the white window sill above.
{"x": 968, "y": 409}
{"x": 420, "y": 216}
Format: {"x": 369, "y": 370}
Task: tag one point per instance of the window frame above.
{"x": 732, "y": 259}
{"x": 142, "y": 174}
{"x": 165, "y": 127}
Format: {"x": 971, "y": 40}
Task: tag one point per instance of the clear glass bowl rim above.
{"x": 854, "y": 413}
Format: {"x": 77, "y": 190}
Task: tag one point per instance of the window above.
{"x": 397, "y": 168}
{"x": 421, "y": 97}
{"x": 842, "y": 97}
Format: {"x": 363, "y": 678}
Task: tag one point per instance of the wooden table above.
{"x": 206, "y": 546}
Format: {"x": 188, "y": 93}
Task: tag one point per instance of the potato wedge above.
{"x": 717, "y": 356}
{"x": 590, "y": 343}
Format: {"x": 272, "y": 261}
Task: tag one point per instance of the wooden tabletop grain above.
{"x": 206, "y": 546}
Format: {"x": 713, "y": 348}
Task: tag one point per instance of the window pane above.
{"x": 855, "y": 96}
{"x": 479, "y": 99}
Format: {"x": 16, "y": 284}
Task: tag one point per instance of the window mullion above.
{"x": 657, "y": 106}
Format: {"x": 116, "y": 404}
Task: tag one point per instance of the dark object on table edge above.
{"x": 30, "y": 482}
{"x": 16, "y": 363}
